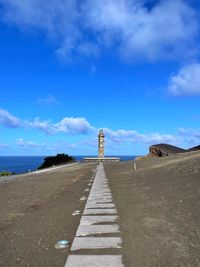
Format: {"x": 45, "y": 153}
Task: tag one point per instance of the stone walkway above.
{"x": 98, "y": 229}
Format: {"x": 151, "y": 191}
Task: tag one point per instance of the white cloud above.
{"x": 26, "y": 144}
{"x": 8, "y": 120}
{"x": 48, "y": 100}
{"x": 73, "y": 126}
{"x": 124, "y": 136}
{"x": 57, "y": 18}
{"x": 186, "y": 81}
{"x": 80, "y": 126}
{"x": 190, "y": 136}
{"x": 167, "y": 29}
{"x": 68, "y": 125}
{"x": 44, "y": 126}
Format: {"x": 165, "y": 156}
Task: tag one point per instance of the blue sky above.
{"x": 131, "y": 67}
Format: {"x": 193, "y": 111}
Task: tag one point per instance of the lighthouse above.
{"x": 101, "y": 144}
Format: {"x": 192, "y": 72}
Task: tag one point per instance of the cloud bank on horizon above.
{"x": 134, "y": 30}
{"x": 80, "y": 126}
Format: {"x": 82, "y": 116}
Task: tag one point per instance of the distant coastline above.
{"x": 23, "y": 164}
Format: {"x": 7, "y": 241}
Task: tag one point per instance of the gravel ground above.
{"x": 36, "y": 211}
{"x": 159, "y": 206}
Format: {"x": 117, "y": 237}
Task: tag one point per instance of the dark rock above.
{"x": 163, "y": 150}
{"x": 195, "y": 148}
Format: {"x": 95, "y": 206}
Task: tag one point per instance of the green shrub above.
{"x": 55, "y": 160}
{"x": 6, "y": 173}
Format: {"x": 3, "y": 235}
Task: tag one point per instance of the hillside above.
{"x": 162, "y": 150}
{"x": 195, "y": 148}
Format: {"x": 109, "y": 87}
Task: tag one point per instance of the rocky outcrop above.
{"x": 195, "y": 148}
{"x": 163, "y": 150}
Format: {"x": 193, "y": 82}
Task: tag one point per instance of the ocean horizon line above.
{"x": 81, "y": 155}
{"x": 27, "y": 163}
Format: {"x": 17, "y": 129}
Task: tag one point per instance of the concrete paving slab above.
{"x": 94, "y": 261}
{"x": 108, "y": 199}
{"x": 95, "y": 243}
{"x": 86, "y": 230}
{"x": 99, "y": 205}
{"x": 88, "y": 220}
{"x": 99, "y": 211}
{"x": 100, "y": 200}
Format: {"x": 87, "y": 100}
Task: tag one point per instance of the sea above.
{"x": 23, "y": 164}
